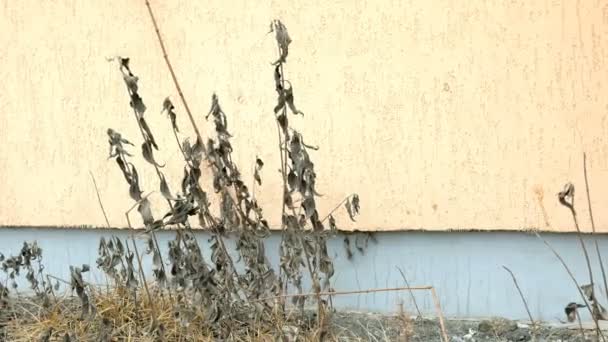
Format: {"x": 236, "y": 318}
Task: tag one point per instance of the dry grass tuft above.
{"x": 118, "y": 317}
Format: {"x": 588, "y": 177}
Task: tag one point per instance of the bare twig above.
{"x": 166, "y": 57}
{"x": 597, "y": 247}
{"x": 411, "y": 293}
{"x": 337, "y": 293}
{"x": 521, "y": 294}
{"x": 99, "y": 199}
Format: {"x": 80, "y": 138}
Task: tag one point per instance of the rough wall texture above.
{"x": 440, "y": 114}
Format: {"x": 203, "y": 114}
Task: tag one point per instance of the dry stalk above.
{"x": 410, "y": 291}
{"x": 194, "y": 126}
{"x": 566, "y": 198}
{"x": 523, "y": 299}
{"x": 578, "y": 287}
{"x": 597, "y": 247}
{"x": 99, "y": 200}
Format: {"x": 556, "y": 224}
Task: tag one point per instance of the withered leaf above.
{"x": 283, "y": 40}
{"x": 148, "y": 132}
{"x": 124, "y": 63}
{"x": 119, "y": 246}
{"x": 198, "y": 149}
{"x": 588, "y": 291}
{"x": 280, "y": 103}
{"x": 332, "y": 223}
{"x": 185, "y": 180}
{"x": 283, "y": 122}
{"x": 131, "y": 82}
{"x": 289, "y": 99}
{"x": 309, "y": 207}
{"x": 168, "y": 105}
{"x": 123, "y": 168}
{"x": 571, "y": 311}
{"x": 352, "y": 207}
{"x": 277, "y": 79}
{"x": 145, "y": 211}
{"x": 164, "y": 188}
{"x": 138, "y": 104}
{"x": 258, "y": 166}
{"x": 148, "y": 155}
{"x": 134, "y": 190}
{"x": 292, "y": 180}
{"x": 355, "y": 204}
{"x": 288, "y": 200}
{"x": 566, "y": 196}
{"x": 257, "y": 177}
{"x": 349, "y": 209}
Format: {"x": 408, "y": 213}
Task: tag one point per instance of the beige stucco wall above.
{"x": 440, "y": 114}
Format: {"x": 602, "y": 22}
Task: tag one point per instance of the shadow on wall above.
{"x": 464, "y": 267}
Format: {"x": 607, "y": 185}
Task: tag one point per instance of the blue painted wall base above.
{"x": 465, "y": 268}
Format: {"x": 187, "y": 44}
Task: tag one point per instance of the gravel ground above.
{"x": 351, "y": 326}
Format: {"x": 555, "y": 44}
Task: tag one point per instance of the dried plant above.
{"x": 587, "y": 292}
{"x": 28, "y": 260}
{"x": 213, "y": 295}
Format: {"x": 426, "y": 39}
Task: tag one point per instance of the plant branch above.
{"x": 578, "y": 287}
{"x": 521, "y": 295}
{"x": 597, "y": 247}
{"x": 411, "y": 293}
{"x": 99, "y": 199}
{"x": 166, "y": 57}
{"x": 337, "y": 207}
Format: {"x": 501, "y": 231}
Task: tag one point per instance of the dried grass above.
{"x": 121, "y": 317}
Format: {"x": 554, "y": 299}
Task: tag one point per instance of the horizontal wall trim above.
{"x": 344, "y": 231}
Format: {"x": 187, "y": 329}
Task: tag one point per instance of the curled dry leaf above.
{"x": 283, "y": 40}
{"x": 566, "y": 196}
{"x": 588, "y": 291}
{"x": 572, "y": 311}
{"x": 146, "y": 150}
{"x": 145, "y": 211}
{"x": 169, "y": 108}
{"x": 148, "y": 133}
{"x": 332, "y": 223}
{"x": 131, "y": 82}
{"x": 258, "y": 167}
{"x": 134, "y": 190}
{"x": 309, "y": 207}
{"x": 137, "y": 103}
{"x": 164, "y": 188}
{"x": 352, "y": 206}
{"x": 289, "y": 99}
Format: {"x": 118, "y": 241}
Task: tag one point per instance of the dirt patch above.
{"x": 353, "y": 326}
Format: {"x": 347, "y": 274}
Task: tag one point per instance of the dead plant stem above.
{"x": 597, "y": 247}
{"x": 410, "y": 291}
{"x": 523, "y": 299}
{"x": 580, "y": 291}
